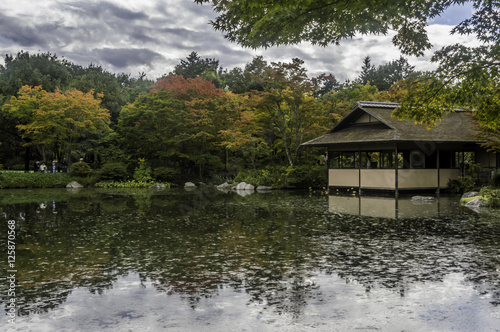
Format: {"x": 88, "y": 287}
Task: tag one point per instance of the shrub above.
{"x": 142, "y": 173}
{"x": 166, "y": 173}
{"x": 33, "y": 180}
{"x": 491, "y": 195}
{"x": 297, "y": 177}
{"x": 114, "y": 171}
{"x": 80, "y": 169}
{"x": 495, "y": 180}
{"x": 462, "y": 184}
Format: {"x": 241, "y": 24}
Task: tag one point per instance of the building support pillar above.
{"x": 396, "y": 176}
{"x": 439, "y": 174}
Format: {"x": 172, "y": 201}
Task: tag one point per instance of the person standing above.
{"x": 53, "y": 166}
{"x": 64, "y": 166}
{"x": 36, "y": 167}
{"x": 43, "y": 168}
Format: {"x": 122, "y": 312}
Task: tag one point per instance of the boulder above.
{"x": 470, "y": 194}
{"x": 244, "y": 186}
{"x": 264, "y": 188}
{"x": 476, "y": 203}
{"x": 423, "y": 199}
{"x": 157, "y": 186}
{"x": 73, "y": 185}
{"x": 189, "y": 185}
{"x": 224, "y": 186}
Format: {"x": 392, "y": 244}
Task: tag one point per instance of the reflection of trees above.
{"x": 269, "y": 246}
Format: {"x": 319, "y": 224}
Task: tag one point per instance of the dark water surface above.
{"x": 144, "y": 260}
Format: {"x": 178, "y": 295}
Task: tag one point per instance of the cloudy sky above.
{"x": 152, "y": 36}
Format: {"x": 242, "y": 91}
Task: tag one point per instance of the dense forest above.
{"x": 198, "y": 121}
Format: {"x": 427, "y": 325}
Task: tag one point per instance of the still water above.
{"x": 204, "y": 260}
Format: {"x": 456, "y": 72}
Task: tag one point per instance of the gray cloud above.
{"x": 105, "y": 10}
{"x": 153, "y": 35}
{"x": 125, "y": 57}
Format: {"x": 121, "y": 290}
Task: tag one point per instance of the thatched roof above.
{"x": 455, "y": 127}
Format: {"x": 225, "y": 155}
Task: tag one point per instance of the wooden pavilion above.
{"x": 371, "y": 150}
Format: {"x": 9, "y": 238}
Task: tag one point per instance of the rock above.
{"x": 244, "y": 193}
{"x": 264, "y": 188}
{"x": 423, "y": 199}
{"x": 157, "y": 186}
{"x": 73, "y": 185}
{"x": 470, "y": 194}
{"x": 224, "y": 186}
{"x": 478, "y": 202}
{"x": 189, "y": 185}
{"x": 244, "y": 186}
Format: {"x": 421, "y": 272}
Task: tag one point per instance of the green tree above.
{"x": 339, "y": 103}
{"x": 287, "y": 108}
{"x": 385, "y": 75}
{"x": 94, "y": 78}
{"x": 177, "y": 124}
{"x": 42, "y": 69}
{"x": 194, "y": 66}
{"x": 56, "y": 122}
{"x": 248, "y": 79}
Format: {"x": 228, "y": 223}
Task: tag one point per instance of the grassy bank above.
{"x": 488, "y": 194}
{"x": 19, "y": 179}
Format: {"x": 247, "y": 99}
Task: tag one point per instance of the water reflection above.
{"x": 392, "y": 207}
{"x": 273, "y": 248}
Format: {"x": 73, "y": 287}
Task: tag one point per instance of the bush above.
{"x": 462, "y": 185}
{"x": 13, "y": 179}
{"x": 114, "y": 171}
{"x": 296, "y": 177}
{"x": 491, "y": 195}
{"x": 127, "y": 184}
{"x": 166, "y": 173}
{"x": 142, "y": 173}
{"x": 495, "y": 180}
{"x": 80, "y": 169}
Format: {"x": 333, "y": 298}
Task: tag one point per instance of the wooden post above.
{"x": 396, "y": 165}
{"x": 359, "y": 171}
{"x": 439, "y": 175}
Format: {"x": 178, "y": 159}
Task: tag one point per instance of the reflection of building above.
{"x": 370, "y": 150}
{"x": 392, "y": 207}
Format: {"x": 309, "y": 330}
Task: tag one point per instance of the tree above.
{"x": 42, "y": 69}
{"x": 177, "y": 123}
{"x": 287, "y": 108}
{"x": 245, "y": 133}
{"x": 57, "y": 121}
{"x": 463, "y": 70}
{"x": 95, "y": 78}
{"x": 249, "y": 79}
{"x": 339, "y": 103}
{"x": 384, "y": 76}
{"x": 324, "y": 84}
{"x": 194, "y": 66}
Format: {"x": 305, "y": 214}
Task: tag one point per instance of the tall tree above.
{"x": 194, "y": 66}
{"x": 338, "y": 103}
{"x": 57, "y": 121}
{"x": 94, "y": 78}
{"x": 385, "y": 75}
{"x": 287, "y": 106}
{"x": 178, "y": 123}
{"x": 43, "y": 69}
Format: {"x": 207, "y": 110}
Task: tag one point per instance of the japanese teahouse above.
{"x": 370, "y": 150}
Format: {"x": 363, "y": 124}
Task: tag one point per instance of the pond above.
{"x": 205, "y": 260}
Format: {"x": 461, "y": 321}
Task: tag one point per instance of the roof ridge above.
{"x": 383, "y": 104}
